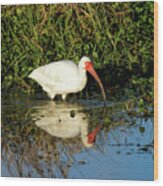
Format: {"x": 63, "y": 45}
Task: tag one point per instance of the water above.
{"x": 41, "y": 138}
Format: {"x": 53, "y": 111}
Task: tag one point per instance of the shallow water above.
{"x": 41, "y": 138}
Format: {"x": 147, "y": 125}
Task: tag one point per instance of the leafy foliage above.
{"x": 116, "y": 36}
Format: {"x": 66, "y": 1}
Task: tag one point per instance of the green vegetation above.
{"x": 118, "y": 37}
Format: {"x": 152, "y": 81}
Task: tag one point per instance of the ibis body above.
{"x": 64, "y": 77}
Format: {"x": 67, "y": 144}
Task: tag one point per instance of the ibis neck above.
{"x": 82, "y": 72}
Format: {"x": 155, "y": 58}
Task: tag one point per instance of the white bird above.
{"x": 64, "y": 77}
{"x": 59, "y": 121}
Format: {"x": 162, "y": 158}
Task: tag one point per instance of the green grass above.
{"x": 118, "y": 36}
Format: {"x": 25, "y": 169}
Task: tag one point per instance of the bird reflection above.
{"x": 65, "y": 120}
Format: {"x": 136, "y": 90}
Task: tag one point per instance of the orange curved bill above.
{"x": 95, "y": 75}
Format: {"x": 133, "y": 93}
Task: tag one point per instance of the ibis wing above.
{"x": 56, "y": 74}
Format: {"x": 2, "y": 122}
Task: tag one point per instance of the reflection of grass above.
{"x": 27, "y": 146}
{"x": 27, "y": 150}
{"x": 116, "y": 34}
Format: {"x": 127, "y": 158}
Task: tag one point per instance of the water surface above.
{"x": 41, "y": 138}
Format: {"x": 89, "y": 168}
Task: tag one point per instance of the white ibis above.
{"x": 64, "y": 77}
{"x": 58, "y": 121}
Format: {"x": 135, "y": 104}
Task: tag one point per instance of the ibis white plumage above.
{"x": 64, "y": 77}
{"x": 57, "y": 120}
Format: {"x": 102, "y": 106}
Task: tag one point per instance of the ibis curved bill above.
{"x": 64, "y": 77}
